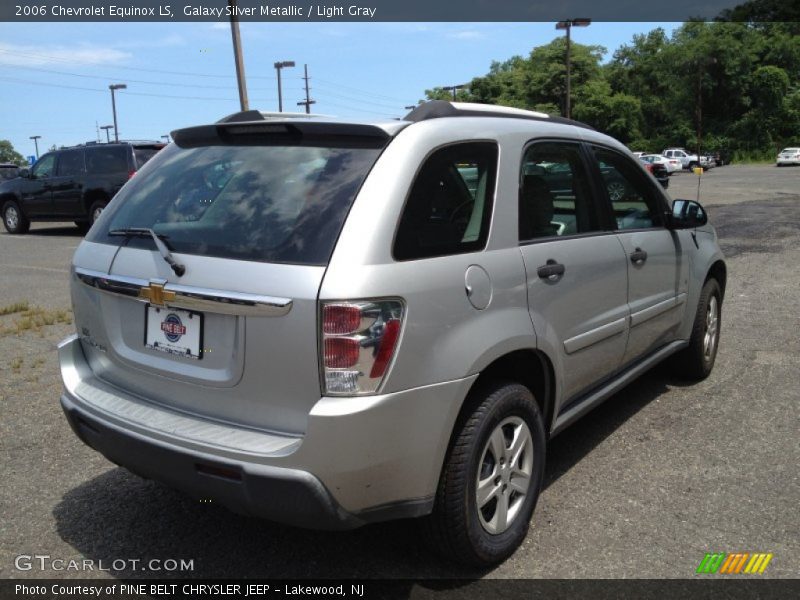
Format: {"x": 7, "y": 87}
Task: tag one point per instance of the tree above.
{"x": 9, "y": 155}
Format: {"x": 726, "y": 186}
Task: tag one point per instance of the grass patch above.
{"x": 34, "y": 319}
{"x": 14, "y": 308}
{"x": 16, "y": 364}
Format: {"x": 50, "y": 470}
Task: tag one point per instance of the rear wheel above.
{"x": 697, "y": 360}
{"x": 491, "y": 479}
{"x": 13, "y": 218}
{"x": 96, "y": 210}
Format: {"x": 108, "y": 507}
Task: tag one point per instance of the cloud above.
{"x": 40, "y": 55}
{"x": 468, "y": 34}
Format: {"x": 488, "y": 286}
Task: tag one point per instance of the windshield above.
{"x": 282, "y": 204}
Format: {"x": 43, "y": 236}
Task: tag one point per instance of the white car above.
{"x": 788, "y": 156}
{"x": 671, "y": 164}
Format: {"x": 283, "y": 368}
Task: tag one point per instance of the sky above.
{"x": 54, "y": 77}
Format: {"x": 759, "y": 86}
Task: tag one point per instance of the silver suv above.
{"x": 331, "y": 323}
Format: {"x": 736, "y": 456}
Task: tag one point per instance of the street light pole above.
{"x": 278, "y": 66}
{"x": 237, "y": 57}
{"x": 35, "y": 139}
{"x": 454, "y": 89}
{"x": 107, "y": 127}
{"x": 113, "y": 87}
{"x": 568, "y": 25}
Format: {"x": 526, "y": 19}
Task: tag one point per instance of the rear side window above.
{"x": 105, "y": 160}
{"x": 70, "y": 162}
{"x": 634, "y": 200}
{"x": 555, "y": 196}
{"x": 449, "y": 208}
{"x": 283, "y": 204}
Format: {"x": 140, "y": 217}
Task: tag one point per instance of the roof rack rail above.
{"x": 437, "y": 109}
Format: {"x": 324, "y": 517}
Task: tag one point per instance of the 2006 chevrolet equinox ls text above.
{"x": 331, "y": 323}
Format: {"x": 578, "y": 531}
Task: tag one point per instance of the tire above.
{"x": 458, "y": 529}
{"x": 95, "y": 209}
{"x": 14, "y": 219}
{"x": 693, "y": 164}
{"x": 696, "y": 361}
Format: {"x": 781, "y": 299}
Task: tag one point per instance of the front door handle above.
{"x": 551, "y": 270}
{"x": 638, "y": 256}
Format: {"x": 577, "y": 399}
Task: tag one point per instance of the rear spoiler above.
{"x": 281, "y": 133}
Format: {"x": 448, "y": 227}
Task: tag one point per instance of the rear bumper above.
{"x": 361, "y": 459}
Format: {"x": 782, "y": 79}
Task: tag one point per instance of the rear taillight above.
{"x": 358, "y": 342}
{"x": 131, "y": 174}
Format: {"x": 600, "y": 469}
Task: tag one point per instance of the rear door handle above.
{"x": 551, "y": 270}
{"x": 638, "y": 256}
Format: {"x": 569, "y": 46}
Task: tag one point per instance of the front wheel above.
{"x": 491, "y": 479}
{"x": 13, "y": 218}
{"x": 697, "y": 360}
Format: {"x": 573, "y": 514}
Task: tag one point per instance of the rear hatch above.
{"x": 248, "y": 219}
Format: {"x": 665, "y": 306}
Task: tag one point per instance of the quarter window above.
{"x": 555, "y": 197}
{"x": 449, "y": 208}
{"x": 634, "y": 201}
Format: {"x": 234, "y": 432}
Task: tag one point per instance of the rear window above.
{"x": 283, "y": 204}
{"x": 103, "y": 160}
{"x": 144, "y": 153}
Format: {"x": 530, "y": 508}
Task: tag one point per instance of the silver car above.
{"x": 331, "y": 323}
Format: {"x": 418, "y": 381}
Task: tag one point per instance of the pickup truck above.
{"x": 687, "y": 159}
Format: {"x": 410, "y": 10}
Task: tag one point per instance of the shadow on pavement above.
{"x": 118, "y": 515}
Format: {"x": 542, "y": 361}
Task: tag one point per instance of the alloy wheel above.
{"x": 504, "y": 475}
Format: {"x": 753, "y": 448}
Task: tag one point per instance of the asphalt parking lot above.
{"x": 646, "y": 485}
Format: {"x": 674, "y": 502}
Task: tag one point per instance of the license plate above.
{"x": 175, "y": 331}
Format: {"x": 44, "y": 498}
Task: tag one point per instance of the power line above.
{"x": 144, "y": 82}
{"x": 354, "y": 89}
{"x": 75, "y": 87}
{"x": 362, "y": 101}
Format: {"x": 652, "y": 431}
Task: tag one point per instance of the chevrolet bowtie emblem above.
{"x": 156, "y": 294}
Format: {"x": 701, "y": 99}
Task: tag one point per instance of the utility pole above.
{"x": 107, "y": 127}
{"x": 308, "y": 101}
{"x": 454, "y": 89}
{"x": 568, "y": 25}
{"x": 36, "y": 139}
{"x": 113, "y": 87}
{"x": 237, "y": 57}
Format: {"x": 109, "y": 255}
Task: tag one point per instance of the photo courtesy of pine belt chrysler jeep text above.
{"x": 330, "y": 323}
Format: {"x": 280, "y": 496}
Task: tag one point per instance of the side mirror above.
{"x": 688, "y": 214}
{"x": 26, "y": 173}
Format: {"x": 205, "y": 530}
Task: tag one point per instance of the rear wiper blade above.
{"x": 178, "y": 268}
